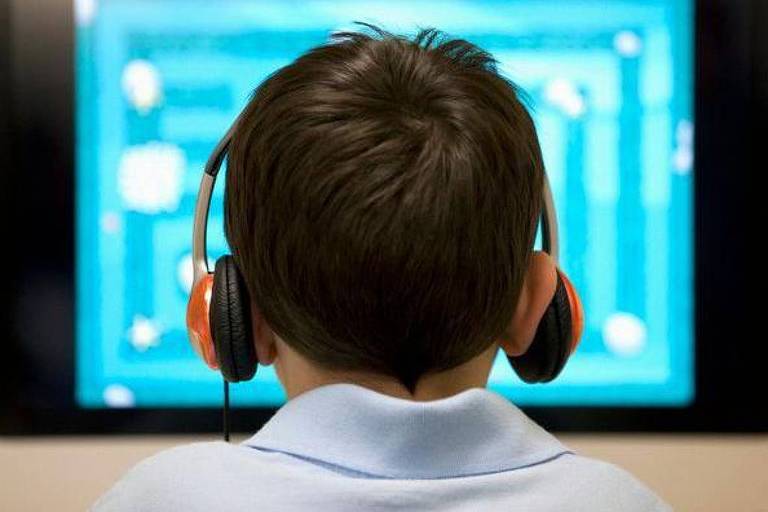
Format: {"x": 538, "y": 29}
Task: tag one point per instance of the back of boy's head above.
{"x": 381, "y": 202}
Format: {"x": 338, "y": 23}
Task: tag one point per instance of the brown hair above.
{"x": 381, "y": 202}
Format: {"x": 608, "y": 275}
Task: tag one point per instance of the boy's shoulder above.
{"x": 203, "y": 476}
{"x": 598, "y": 481}
{"x": 185, "y": 473}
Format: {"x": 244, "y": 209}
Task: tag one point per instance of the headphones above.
{"x": 219, "y": 316}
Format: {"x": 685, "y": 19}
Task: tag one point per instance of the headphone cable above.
{"x": 225, "y": 412}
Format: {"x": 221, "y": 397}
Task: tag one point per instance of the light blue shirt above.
{"x": 346, "y": 448}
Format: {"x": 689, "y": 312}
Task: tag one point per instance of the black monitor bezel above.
{"x": 37, "y": 130}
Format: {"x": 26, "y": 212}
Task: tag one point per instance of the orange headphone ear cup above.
{"x": 198, "y": 323}
{"x": 556, "y": 336}
{"x": 577, "y": 312}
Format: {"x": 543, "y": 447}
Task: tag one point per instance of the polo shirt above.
{"x": 343, "y": 447}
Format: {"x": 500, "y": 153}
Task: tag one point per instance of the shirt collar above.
{"x": 354, "y": 428}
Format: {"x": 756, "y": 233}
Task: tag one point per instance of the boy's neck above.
{"x": 299, "y": 376}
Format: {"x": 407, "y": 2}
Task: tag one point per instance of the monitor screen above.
{"x": 610, "y": 86}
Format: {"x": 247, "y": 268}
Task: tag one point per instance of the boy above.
{"x": 381, "y": 204}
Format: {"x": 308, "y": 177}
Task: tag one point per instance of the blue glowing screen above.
{"x": 610, "y": 83}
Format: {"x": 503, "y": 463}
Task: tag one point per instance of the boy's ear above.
{"x": 263, "y": 337}
{"x": 535, "y": 296}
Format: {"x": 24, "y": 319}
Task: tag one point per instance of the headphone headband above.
{"x": 549, "y": 233}
{"x": 550, "y": 238}
{"x": 203, "y": 205}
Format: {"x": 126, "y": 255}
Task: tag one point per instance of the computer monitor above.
{"x": 155, "y": 84}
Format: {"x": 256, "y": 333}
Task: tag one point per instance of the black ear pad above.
{"x": 230, "y": 318}
{"x": 551, "y": 345}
